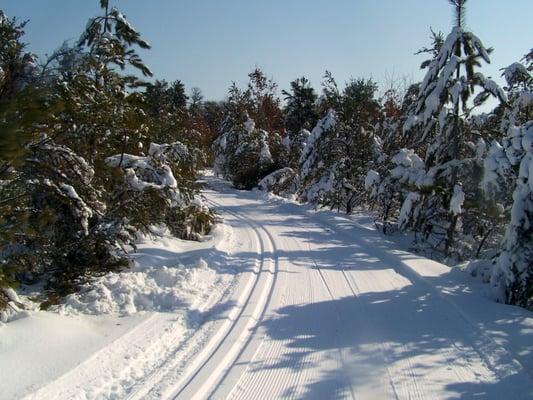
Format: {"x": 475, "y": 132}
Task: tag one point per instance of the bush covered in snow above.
{"x": 283, "y": 182}
{"x": 249, "y": 146}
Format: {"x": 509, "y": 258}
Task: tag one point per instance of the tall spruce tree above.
{"x": 444, "y": 102}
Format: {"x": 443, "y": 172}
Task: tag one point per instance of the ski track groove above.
{"x": 257, "y": 327}
{"x": 147, "y": 386}
{"x": 269, "y": 352}
{"x": 236, "y": 389}
{"x": 249, "y": 330}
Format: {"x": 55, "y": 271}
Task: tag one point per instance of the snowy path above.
{"x": 348, "y": 316}
{"x": 322, "y": 308}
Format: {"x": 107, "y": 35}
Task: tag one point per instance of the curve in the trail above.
{"x": 171, "y": 381}
{"x": 215, "y": 361}
{"x": 323, "y": 308}
{"x": 352, "y": 317}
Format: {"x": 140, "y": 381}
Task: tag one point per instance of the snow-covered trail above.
{"x": 322, "y": 307}
{"x": 339, "y": 313}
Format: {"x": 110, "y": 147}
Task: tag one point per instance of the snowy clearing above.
{"x": 322, "y": 307}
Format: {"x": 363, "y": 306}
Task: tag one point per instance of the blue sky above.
{"x": 210, "y": 43}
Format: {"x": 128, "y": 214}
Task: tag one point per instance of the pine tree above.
{"x": 444, "y": 101}
{"x": 245, "y": 150}
{"x": 19, "y": 99}
{"x": 242, "y": 154}
{"x": 300, "y": 116}
{"x": 94, "y": 177}
{"x": 386, "y": 193}
{"x": 317, "y": 165}
{"x": 300, "y": 110}
{"x": 509, "y": 165}
{"x": 336, "y": 158}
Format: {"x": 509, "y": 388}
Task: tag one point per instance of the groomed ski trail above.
{"x": 351, "y": 317}
{"x": 322, "y": 308}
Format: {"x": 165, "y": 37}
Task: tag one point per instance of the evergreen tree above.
{"x": 300, "y": 116}
{"x": 509, "y": 165}
{"x": 333, "y": 168}
{"x": 245, "y": 151}
{"x": 19, "y": 101}
{"x": 444, "y": 101}
{"x": 242, "y": 155}
{"x": 386, "y": 193}
{"x": 94, "y": 177}
{"x": 300, "y": 111}
{"x": 264, "y": 106}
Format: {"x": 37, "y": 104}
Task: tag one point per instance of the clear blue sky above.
{"x": 210, "y": 43}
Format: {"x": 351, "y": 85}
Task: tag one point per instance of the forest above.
{"x": 94, "y": 150}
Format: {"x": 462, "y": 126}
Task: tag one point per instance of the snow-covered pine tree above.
{"x": 386, "y": 193}
{"x": 300, "y": 116}
{"x": 72, "y": 203}
{"x": 18, "y": 94}
{"x": 335, "y": 164}
{"x": 264, "y": 105}
{"x": 444, "y": 101}
{"x": 509, "y": 166}
{"x": 245, "y": 151}
{"x": 24, "y": 103}
{"x": 63, "y": 228}
{"x": 317, "y": 167}
{"x": 242, "y": 154}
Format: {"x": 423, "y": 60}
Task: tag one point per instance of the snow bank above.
{"x": 157, "y": 281}
{"x": 282, "y": 182}
{"x": 163, "y": 289}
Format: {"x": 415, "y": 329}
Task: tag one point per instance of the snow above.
{"x": 29, "y": 360}
{"x": 407, "y": 208}
{"x": 372, "y": 179}
{"x": 171, "y": 285}
{"x": 163, "y": 289}
{"x": 249, "y": 125}
{"x": 14, "y": 309}
{"x": 515, "y": 73}
{"x": 278, "y": 177}
{"x": 84, "y": 212}
{"x": 322, "y": 306}
{"x": 457, "y": 200}
{"x": 141, "y": 172}
{"x": 410, "y": 169}
{"x": 322, "y": 127}
{"x": 265, "y": 157}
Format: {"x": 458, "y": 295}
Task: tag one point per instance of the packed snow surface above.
{"x": 322, "y": 307}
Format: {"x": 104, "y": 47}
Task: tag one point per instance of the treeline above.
{"x": 90, "y": 156}
{"x": 424, "y": 159}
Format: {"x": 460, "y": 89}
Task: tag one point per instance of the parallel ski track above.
{"x": 268, "y": 381}
{"x": 169, "y": 378}
{"x": 232, "y": 340}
